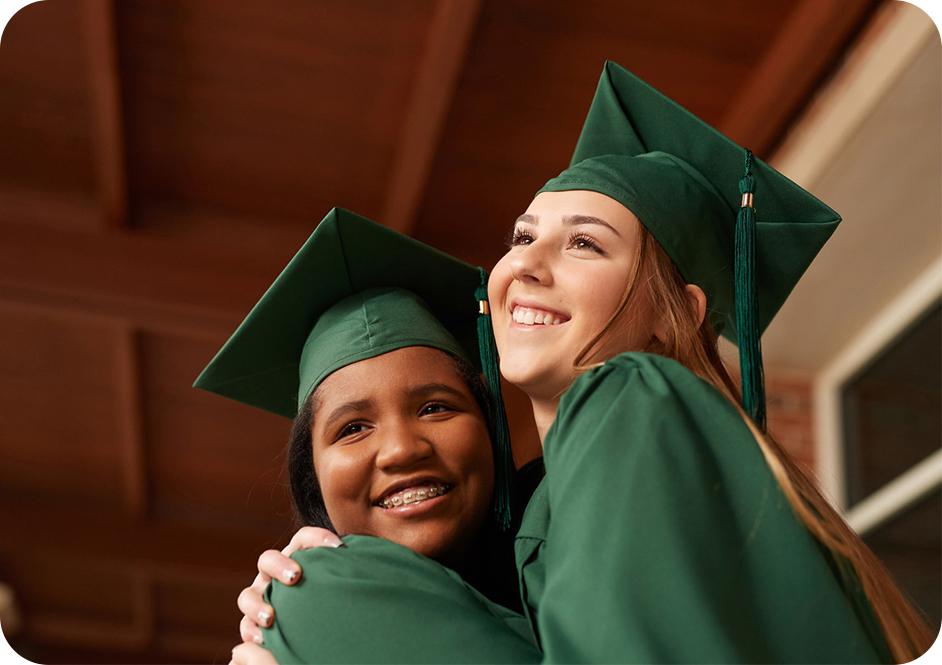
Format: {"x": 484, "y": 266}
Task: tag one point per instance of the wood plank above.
{"x": 145, "y": 605}
{"x": 436, "y": 81}
{"x": 131, "y": 435}
{"x": 275, "y": 114}
{"x": 803, "y": 52}
{"x": 107, "y": 128}
{"x": 182, "y": 272}
{"x": 219, "y": 552}
{"x": 196, "y": 325}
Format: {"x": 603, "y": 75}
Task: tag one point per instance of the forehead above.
{"x": 553, "y": 206}
{"x": 392, "y": 373}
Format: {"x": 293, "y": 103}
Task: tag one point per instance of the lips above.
{"x": 413, "y": 495}
{"x": 532, "y": 314}
{"x": 414, "y": 490}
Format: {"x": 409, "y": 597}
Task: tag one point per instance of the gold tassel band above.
{"x": 483, "y": 307}
{"x": 747, "y": 201}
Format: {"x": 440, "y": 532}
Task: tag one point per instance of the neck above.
{"x": 544, "y": 413}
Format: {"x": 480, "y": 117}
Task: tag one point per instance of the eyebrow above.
{"x": 344, "y": 409}
{"x": 571, "y": 220}
{"x": 427, "y": 389}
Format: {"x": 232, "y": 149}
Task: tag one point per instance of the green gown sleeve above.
{"x": 375, "y": 601}
{"x": 669, "y": 540}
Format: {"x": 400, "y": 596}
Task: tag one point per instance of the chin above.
{"x": 432, "y": 543}
{"x": 537, "y": 381}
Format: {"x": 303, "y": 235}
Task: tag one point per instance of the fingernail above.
{"x": 290, "y": 575}
{"x": 264, "y": 617}
{"x": 332, "y": 541}
{"x": 259, "y": 640}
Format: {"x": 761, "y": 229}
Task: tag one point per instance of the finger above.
{"x": 255, "y": 608}
{"x": 250, "y": 632}
{"x": 239, "y": 656}
{"x": 251, "y": 654}
{"x": 278, "y": 566}
{"x": 260, "y": 583}
{"x": 312, "y": 536}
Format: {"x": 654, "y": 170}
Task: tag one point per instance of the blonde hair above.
{"x": 656, "y": 285}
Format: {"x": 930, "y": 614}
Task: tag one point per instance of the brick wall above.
{"x": 790, "y": 414}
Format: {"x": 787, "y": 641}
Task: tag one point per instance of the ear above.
{"x": 697, "y": 299}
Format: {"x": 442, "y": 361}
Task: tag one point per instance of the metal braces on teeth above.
{"x": 413, "y": 496}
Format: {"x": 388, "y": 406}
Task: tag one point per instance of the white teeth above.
{"x": 413, "y": 495}
{"x": 531, "y": 317}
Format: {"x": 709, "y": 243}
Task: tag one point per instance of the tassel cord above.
{"x": 503, "y": 455}
{"x": 747, "y": 303}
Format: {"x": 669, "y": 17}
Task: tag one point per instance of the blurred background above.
{"x": 161, "y": 162}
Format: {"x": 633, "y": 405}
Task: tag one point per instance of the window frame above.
{"x": 881, "y": 331}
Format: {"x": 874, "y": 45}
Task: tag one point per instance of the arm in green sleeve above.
{"x": 642, "y": 557}
{"x": 376, "y": 601}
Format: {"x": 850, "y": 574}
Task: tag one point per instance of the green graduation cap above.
{"x": 733, "y": 225}
{"x": 356, "y": 290}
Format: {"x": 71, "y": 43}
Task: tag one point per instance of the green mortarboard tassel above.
{"x": 490, "y": 364}
{"x": 747, "y": 303}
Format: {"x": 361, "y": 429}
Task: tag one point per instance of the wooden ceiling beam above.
{"x": 219, "y": 554}
{"x": 166, "y": 281}
{"x": 437, "y": 78}
{"x": 107, "y": 130}
{"x": 131, "y": 427}
{"x": 803, "y": 52}
{"x": 97, "y": 310}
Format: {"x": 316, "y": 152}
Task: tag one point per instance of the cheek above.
{"x": 469, "y": 451}
{"x": 598, "y": 290}
{"x": 497, "y": 285}
{"x": 342, "y": 476}
{"x": 479, "y": 460}
{"x": 499, "y": 280}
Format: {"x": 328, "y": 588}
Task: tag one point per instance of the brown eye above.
{"x": 584, "y": 242}
{"x": 433, "y": 408}
{"x": 520, "y": 237}
{"x": 351, "y": 429}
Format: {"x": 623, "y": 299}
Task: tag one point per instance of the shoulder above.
{"x": 358, "y": 547}
{"x": 364, "y": 566}
{"x": 669, "y": 438}
{"x": 368, "y": 558}
{"x": 635, "y": 379}
{"x": 646, "y": 407}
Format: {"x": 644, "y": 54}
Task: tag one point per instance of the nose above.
{"x": 402, "y": 447}
{"x": 530, "y": 264}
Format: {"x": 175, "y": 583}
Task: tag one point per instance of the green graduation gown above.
{"x": 375, "y": 601}
{"x": 659, "y": 535}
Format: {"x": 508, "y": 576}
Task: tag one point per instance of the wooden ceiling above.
{"x": 162, "y": 160}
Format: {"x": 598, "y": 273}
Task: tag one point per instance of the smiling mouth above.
{"x": 411, "y": 495}
{"x": 532, "y": 316}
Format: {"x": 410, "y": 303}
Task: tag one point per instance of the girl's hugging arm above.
{"x": 375, "y": 601}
